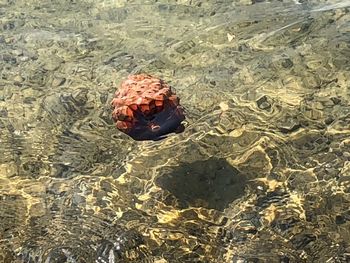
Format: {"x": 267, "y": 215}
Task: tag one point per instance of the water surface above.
{"x": 261, "y": 173}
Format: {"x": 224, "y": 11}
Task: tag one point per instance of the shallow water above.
{"x": 261, "y": 173}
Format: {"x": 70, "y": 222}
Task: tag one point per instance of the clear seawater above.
{"x": 261, "y": 173}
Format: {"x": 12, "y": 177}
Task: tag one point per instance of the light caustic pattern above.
{"x": 260, "y": 174}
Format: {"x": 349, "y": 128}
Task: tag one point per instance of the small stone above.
{"x": 51, "y": 65}
{"x": 263, "y": 103}
{"x": 58, "y": 81}
{"x": 312, "y": 81}
{"x": 31, "y": 55}
{"x": 9, "y": 59}
{"x": 78, "y": 199}
{"x": 339, "y": 220}
{"x": 18, "y": 80}
{"x": 3, "y": 113}
{"x": 185, "y": 46}
{"x": 9, "y": 25}
{"x": 80, "y": 97}
{"x": 287, "y": 63}
{"x": 328, "y": 120}
{"x": 93, "y": 40}
{"x": 23, "y": 59}
{"x": 28, "y": 100}
{"x": 9, "y": 40}
{"x": 346, "y": 154}
{"x": 17, "y": 52}
{"x": 335, "y": 100}
{"x": 313, "y": 114}
{"x": 230, "y": 37}
{"x": 339, "y": 62}
{"x": 289, "y": 124}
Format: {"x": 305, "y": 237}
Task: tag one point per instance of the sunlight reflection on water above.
{"x": 260, "y": 174}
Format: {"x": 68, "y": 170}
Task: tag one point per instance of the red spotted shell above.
{"x": 144, "y": 102}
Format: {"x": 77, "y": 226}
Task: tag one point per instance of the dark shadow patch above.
{"x": 212, "y": 184}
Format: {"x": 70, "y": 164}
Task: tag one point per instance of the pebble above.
{"x": 58, "y": 81}
{"x": 18, "y": 79}
{"x": 23, "y": 59}
{"x": 3, "y": 113}
{"x": 17, "y": 52}
{"x": 9, "y": 59}
{"x": 289, "y": 124}
{"x": 51, "y": 65}
{"x": 263, "y": 103}
{"x": 93, "y": 40}
{"x": 335, "y": 100}
{"x": 287, "y": 63}
{"x": 313, "y": 114}
{"x": 329, "y": 120}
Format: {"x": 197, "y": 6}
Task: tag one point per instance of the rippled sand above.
{"x": 261, "y": 173}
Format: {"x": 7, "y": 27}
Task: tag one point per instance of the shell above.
{"x": 140, "y": 100}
